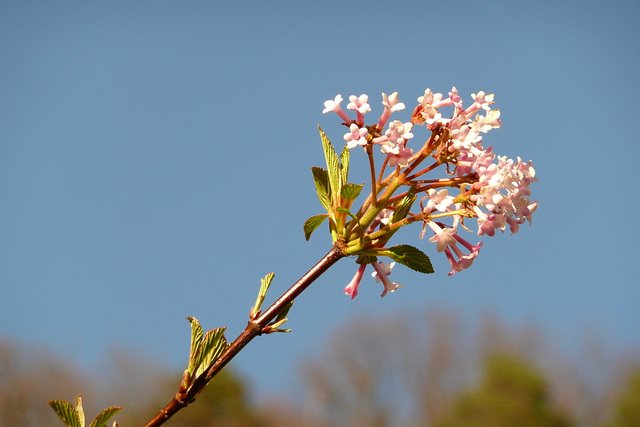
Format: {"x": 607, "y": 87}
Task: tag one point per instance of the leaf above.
{"x": 411, "y": 257}
{"x": 196, "y": 339}
{"x": 403, "y": 207}
{"x": 66, "y": 412}
{"x": 344, "y": 163}
{"x": 351, "y": 191}
{"x": 262, "y": 293}
{"x": 213, "y": 344}
{"x": 265, "y": 283}
{"x": 79, "y": 409}
{"x": 333, "y": 166}
{"x": 283, "y": 313}
{"x": 347, "y": 211}
{"x": 312, "y": 223}
{"x": 101, "y": 419}
{"x": 323, "y": 189}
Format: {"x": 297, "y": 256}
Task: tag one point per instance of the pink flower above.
{"x": 391, "y": 104}
{"x": 393, "y": 143}
{"x": 481, "y": 102}
{"x": 352, "y": 288}
{"x": 438, "y": 200}
{"x": 447, "y": 240}
{"x": 463, "y": 261}
{"x": 382, "y": 271}
{"x": 356, "y": 136}
{"x": 361, "y": 105}
{"x": 443, "y": 237}
{"x": 334, "y": 105}
{"x": 401, "y": 158}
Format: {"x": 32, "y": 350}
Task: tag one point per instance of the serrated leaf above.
{"x": 312, "y": 223}
{"x": 101, "y": 419}
{"x": 351, "y": 191}
{"x": 323, "y": 189}
{"x": 333, "y": 166}
{"x": 262, "y": 293}
{"x": 213, "y": 344}
{"x": 411, "y": 257}
{"x": 403, "y": 207}
{"x": 196, "y": 339}
{"x": 344, "y": 163}
{"x": 266, "y": 282}
{"x": 67, "y": 413}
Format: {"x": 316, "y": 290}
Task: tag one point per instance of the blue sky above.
{"x": 155, "y": 164}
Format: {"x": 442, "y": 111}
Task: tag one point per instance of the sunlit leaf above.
{"x": 323, "y": 189}
{"x": 196, "y": 339}
{"x": 213, "y": 344}
{"x": 264, "y": 287}
{"x": 351, "y": 191}
{"x": 283, "y": 313}
{"x": 344, "y": 163}
{"x": 101, "y": 419}
{"x": 312, "y": 223}
{"x": 403, "y": 207}
{"x": 67, "y": 413}
{"x": 333, "y": 166}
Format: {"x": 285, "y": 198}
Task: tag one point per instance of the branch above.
{"x": 253, "y": 329}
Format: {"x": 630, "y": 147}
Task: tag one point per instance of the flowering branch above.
{"x": 475, "y": 184}
{"x": 496, "y": 193}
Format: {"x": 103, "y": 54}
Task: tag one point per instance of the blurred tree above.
{"x": 29, "y": 377}
{"x": 408, "y": 371}
{"x": 511, "y": 393}
{"x": 224, "y": 403}
{"x": 626, "y": 411}
{"x": 142, "y": 387}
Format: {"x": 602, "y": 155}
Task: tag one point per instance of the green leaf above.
{"x": 312, "y": 223}
{"x": 323, "y": 189}
{"x": 101, "y": 419}
{"x": 403, "y": 207}
{"x": 344, "y": 163}
{"x": 67, "y": 413}
{"x": 265, "y": 283}
{"x": 283, "y": 313}
{"x": 196, "y": 340}
{"x": 351, "y": 191}
{"x": 333, "y": 166}
{"x": 347, "y": 211}
{"x": 213, "y": 344}
{"x": 411, "y": 257}
{"x": 79, "y": 409}
{"x": 262, "y": 293}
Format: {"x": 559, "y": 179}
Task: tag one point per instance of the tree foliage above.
{"x": 511, "y": 393}
{"x": 626, "y": 411}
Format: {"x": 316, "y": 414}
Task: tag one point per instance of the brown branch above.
{"x": 253, "y": 329}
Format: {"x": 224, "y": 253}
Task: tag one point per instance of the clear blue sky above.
{"x": 155, "y": 164}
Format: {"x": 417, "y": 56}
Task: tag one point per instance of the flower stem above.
{"x": 253, "y": 329}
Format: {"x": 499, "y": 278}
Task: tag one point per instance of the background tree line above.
{"x": 409, "y": 370}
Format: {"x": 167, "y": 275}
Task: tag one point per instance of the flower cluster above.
{"x": 475, "y": 183}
